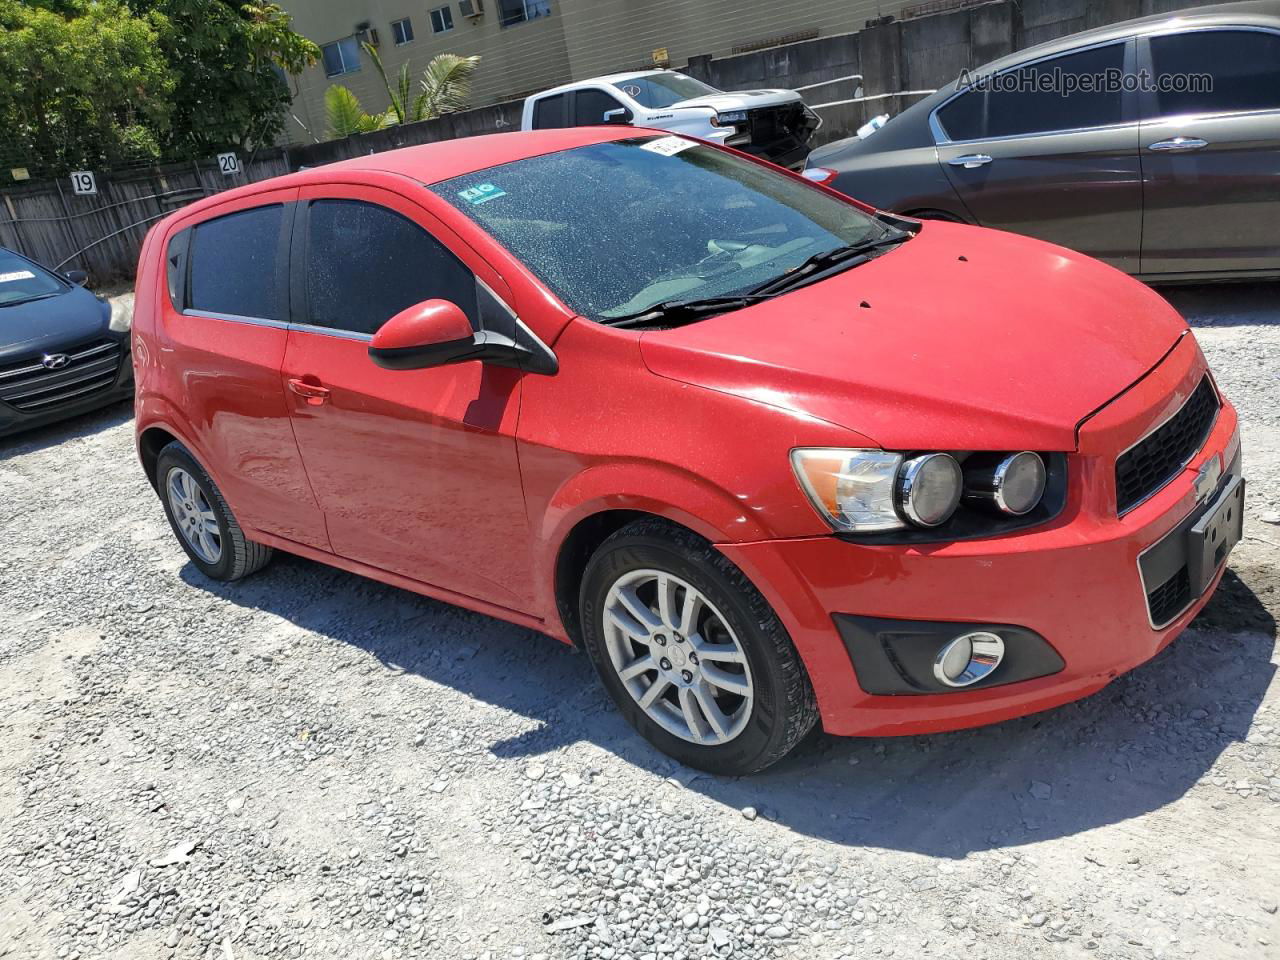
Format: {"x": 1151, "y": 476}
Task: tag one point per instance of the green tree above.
{"x": 84, "y": 84}
{"x": 231, "y": 61}
{"x": 344, "y": 115}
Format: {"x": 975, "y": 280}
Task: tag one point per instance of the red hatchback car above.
{"x": 772, "y": 457}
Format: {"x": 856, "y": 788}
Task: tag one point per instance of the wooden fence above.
{"x": 102, "y": 233}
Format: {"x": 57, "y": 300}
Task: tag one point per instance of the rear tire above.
{"x": 733, "y": 696}
{"x": 201, "y": 519}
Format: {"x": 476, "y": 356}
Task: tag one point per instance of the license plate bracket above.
{"x": 1213, "y": 536}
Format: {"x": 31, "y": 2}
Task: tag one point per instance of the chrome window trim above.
{"x": 941, "y": 137}
{"x": 331, "y": 332}
{"x": 1206, "y": 28}
{"x": 1208, "y": 433}
{"x": 235, "y": 318}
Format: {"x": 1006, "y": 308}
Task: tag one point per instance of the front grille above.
{"x": 780, "y": 130}
{"x": 1169, "y": 599}
{"x": 28, "y": 385}
{"x": 1156, "y": 459}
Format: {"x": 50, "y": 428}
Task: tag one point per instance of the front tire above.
{"x": 201, "y": 519}
{"x": 691, "y": 653}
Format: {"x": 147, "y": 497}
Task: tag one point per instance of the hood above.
{"x": 51, "y": 324}
{"x": 959, "y": 339}
{"x": 740, "y": 100}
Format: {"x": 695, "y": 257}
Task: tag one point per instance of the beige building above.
{"x": 529, "y": 45}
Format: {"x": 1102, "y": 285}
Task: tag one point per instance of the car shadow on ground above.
{"x": 53, "y": 434}
{"x": 1225, "y": 304}
{"x": 1135, "y": 747}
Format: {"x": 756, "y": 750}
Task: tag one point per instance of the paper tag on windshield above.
{"x": 17, "y": 275}
{"x": 668, "y": 146}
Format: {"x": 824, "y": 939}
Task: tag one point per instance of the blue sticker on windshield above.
{"x": 481, "y": 194}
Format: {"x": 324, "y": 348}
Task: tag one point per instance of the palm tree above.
{"x": 344, "y": 115}
{"x": 445, "y": 87}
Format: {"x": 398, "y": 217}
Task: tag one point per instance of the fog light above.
{"x": 968, "y": 659}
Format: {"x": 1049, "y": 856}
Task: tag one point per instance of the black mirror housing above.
{"x": 78, "y": 277}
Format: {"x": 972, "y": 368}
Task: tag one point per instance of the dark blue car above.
{"x": 62, "y": 350}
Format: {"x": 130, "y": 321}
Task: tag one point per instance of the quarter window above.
{"x": 341, "y": 56}
{"x": 1242, "y": 67}
{"x": 235, "y": 267}
{"x": 590, "y": 106}
{"x": 366, "y": 263}
{"x": 1071, "y": 92}
{"x": 550, "y": 112}
{"x": 441, "y": 20}
{"x": 402, "y": 31}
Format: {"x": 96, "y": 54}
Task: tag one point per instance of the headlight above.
{"x": 1010, "y": 483}
{"x": 929, "y": 488}
{"x": 869, "y": 491}
{"x": 733, "y": 116}
{"x": 121, "y": 315}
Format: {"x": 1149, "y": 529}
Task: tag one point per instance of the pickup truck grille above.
{"x": 781, "y": 133}
{"x": 1156, "y": 459}
{"x": 32, "y": 387}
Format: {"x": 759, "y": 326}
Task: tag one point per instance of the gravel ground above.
{"x": 309, "y": 764}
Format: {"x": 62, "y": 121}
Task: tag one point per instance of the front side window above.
{"x": 590, "y": 106}
{"x": 1066, "y": 93}
{"x": 366, "y": 263}
{"x": 235, "y": 267}
{"x": 1242, "y": 68}
{"x": 511, "y": 12}
{"x": 22, "y": 281}
{"x": 341, "y": 56}
{"x": 441, "y": 20}
{"x": 402, "y": 31}
{"x": 615, "y": 228}
{"x": 660, "y": 90}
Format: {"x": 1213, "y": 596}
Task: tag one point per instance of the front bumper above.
{"x": 1074, "y": 581}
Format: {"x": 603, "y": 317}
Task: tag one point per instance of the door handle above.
{"x": 313, "y": 393}
{"x": 970, "y": 161}
{"x": 1179, "y": 143}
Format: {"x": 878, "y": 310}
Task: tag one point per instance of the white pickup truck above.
{"x": 774, "y": 124}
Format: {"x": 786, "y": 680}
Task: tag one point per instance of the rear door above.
{"x": 416, "y": 470}
{"x": 1211, "y": 152}
{"x": 1050, "y": 150}
{"x": 226, "y": 322}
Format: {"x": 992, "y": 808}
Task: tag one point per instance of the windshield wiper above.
{"x": 847, "y": 256}
{"x": 674, "y": 312}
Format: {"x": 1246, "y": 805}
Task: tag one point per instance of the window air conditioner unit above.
{"x": 471, "y": 8}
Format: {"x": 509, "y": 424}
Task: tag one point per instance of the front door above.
{"x": 1211, "y": 153}
{"x": 1050, "y": 151}
{"x": 416, "y": 470}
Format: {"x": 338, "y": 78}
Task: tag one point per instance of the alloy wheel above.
{"x": 678, "y": 657}
{"x": 193, "y": 515}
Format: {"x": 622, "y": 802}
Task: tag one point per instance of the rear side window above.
{"x": 366, "y": 263}
{"x": 1216, "y": 71}
{"x": 590, "y": 106}
{"x": 1066, "y": 93}
{"x": 235, "y": 265}
{"x": 550, "y": 112}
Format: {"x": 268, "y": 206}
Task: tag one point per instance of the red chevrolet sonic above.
{"x": 773, "y": 457}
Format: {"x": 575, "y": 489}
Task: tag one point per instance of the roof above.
{"x": 446, "y": 159}
{"x": 610, "y": 78}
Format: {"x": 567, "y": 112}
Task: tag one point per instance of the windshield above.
{"x": 663, "y": 89}
{"x": 22, "y": 280}
{"x": 615, "y": 228}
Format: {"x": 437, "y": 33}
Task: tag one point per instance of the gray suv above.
{"x": 1167, "y": 167}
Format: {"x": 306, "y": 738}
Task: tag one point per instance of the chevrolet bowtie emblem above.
{"x": 1207, "y": 477}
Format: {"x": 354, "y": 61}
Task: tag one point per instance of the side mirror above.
{"x": 429, "y": 334}
{"x": 620, "y": 115}
{"x": 78, "y": 277}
